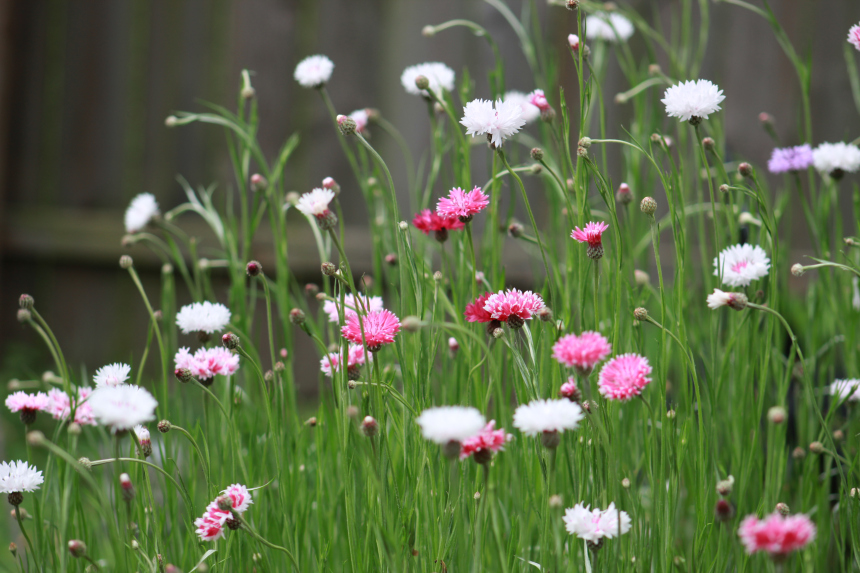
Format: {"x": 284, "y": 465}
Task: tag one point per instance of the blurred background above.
{"x": 85, "y": 88}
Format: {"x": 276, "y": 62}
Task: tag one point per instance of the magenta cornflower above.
{"x": 854, "y": 36}
{"x": 582, "y": 352}
{"x": 27, "y": 405}
{"x": 484, "y": 444}
{"x": 624, "y": 377}
{"x": 428, "y": 221}
{"x": 475, "y": 311}
{"x": 788, "y": 159}
{"x": 777, "y": 534}
{"x": 514, "y": 306}
{"x": 239, "y": 496}
{"x": 207, "y": 362}
{"x": 570, "y": 390}
{"x": 60, "y": 406}
{"x": 592, "y": 234}
{"x": 462, "y": 204}
{"x": 355, "y": 358}
{"x": 379, "y": 328}
{"x": 210, "y": 527}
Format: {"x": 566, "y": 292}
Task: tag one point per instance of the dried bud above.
{"x": 77, "y": 548}
{"x": 230, "y": 341}
{"x": 346, "y": 124}
{"x": 26, "y": 301}
{"x": 816, "y": 447}
{"x": 125, "y": 262}
{"x": 184, "y": 375}
{"x": 254, "y": 268}
{"x": 258, "y": 182}
{"x": 328, "y": 269}
{"x": 640, "y": 314}
{"x": 782, "y": 509}
{"x": 776, "y": 415}
{"x": 164, "y": 426}
{"x": 370, "y": 427}
{"x": 709, "y": 144}
{"x": 797, "y": 269}
{"x": 648, "y": 205}
{"x": 537, "y": 153}
{"x": 623, "y": 195}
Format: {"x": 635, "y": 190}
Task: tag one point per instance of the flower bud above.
{"x": 127, "y": 487}
{"x": 640, "y": 314}
{"x": 328, "y": 269}
{"x": 145, "y": 441}
{"x": 258, "y": 182}
{"x": 516, "y": 230}
{"x": 403, "y": 225}
{"x": 498, "y": 333}
{"x": 782, "y": 509}
{"x": 24, "y": 315}
{"x": 422, "y": 83}
{"x": 85, "y": 463}
{"x": 745, "y": 169}
{"x": 453, "y": 345}
{"x": 724, "y": 487}
{"x": 369, "y": 426}
{"x": 411, "y": 324}
{"x": 428, "y": 31}
{"x": 648, "y": 205}
{"x": 164, "y": 426}
{"x": 765, "y": 118}
{"x": 346, "y": 124}
{"x": 230, "y": 341}
{"x": 125, "y": 262}
{"x": 838, "y": 435}
{"x": 776, "y": 415}
{"x": 36, "y": 438}
{"x": 184, "y": 375}
{"x": 74, "y": 429}
{"x": 709, "y": 144}
{"x": 171, "y": 121}
{"x": 550, "y": 440}
{"x": 537, "y": 153}
{"x": 623, "y": 195}
{"x": 391, "y": 259}
{"x": 572, "y": 4}
{"x": 625, "y": 483}
{"x": 585, "y": 142}
{"x": 724, "y": 510}
{"x": 77, "y": 548}
{"x": 545, "y": 314}
{"x": 437, "y": 276}
{"x": 654, "y": 70}
{"x": 798, "y": 453}
{"x": 670, "y": 414}
{"x": 641, "y": 278}
{"x": 573, "y": 41}
{"x": 224, "y": 502}
{"x": 816, "y": 447}
{"x": 254, "y": 268}
{"x": 26, "y": 301}
{"x": 797, "y": 269}
{"x": 312, "y": 422}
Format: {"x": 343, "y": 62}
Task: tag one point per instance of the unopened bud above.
{"x": 230, "y": 341}
{"x": 550, "y": 440}
{"x": 254, "y": 268}
{"x": 74, "y": 429}
{"x": 641, "y": 277}
{"x": 453, "y": 345}
{"x": 127, "y": 487}
{"x": 648, "y": 205}
{"x": 26, "y": 301}
{"x": 572, "y": 4}
{"x": 346, "y": 124}
{"x": 816, "y": 447}
{"x": 709, "y": 144}
{"x": 537, "y": 153}
{"x": 516, "y": 230}
{"x": 437, "y": 276}
{"x": 838, "y": 435}
{"x": 640, "y": 314}
{"x": 24, "y": 315}
{"x": 783, "y": 509}
{"x": 391, "y": 259}
{"x": 724, "y": 487}
{"x": 328, "y": 269}
{"x": 585, "y": 142}
{"x": 654, "y": 70}
{"x": 428, "y": 31}
{"x": 312, "y": 289}
{"x": 224, "y": 502}
{"x": 498, "y": 332}
{"x": 573, "y": 41}
{"x": 297, "y": 316}
{"x": 369, "y": 426}
{"x": 724, "y": 510}
{"x": 411, "y": 324}
{"x": 797, "y": 269}
{"x": 258, "y": 182}
{"x": 77, "y": 548}
{"x": 745, "y": 169}
{"x": 13, "y": 549}
{"x": 765, "y": 118}
{"x": 776, "y": 415}
{"x": 545, "y": 314}
{"x": 125, "y": 262}
{"x": 312, "y": 422}
{"x": 164, "y": 426}
{"x": 798, "y": 453}
{"x": 184, "y": 375}
{"x": 670, "y": 414}
{"x": 623, "y": 195}
{"x": 422, "y": 83}
{"x": 171, "y": 121}
{"x": 36, "y": 438}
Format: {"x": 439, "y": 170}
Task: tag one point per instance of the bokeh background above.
{"x": 85, "y": 88}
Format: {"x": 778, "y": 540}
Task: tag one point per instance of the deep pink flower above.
{"x": 537, "y": 99}
{"x": 207, "y": 362}
{"x": 379, "y": 328}
{"x": 591, "y": 234}
{"x": 513, "y": 306}
{"x": 582, "y": 352}
{"x": 624, "y": 377}
{"x": 462, "y": 204}
{"x": 484, "y": 444}
{"x": 428, "y": 221}
{"x": 210, "y": 527}
{"x": 475, "y": 311}
{"x": 60, "y": 407}
{"x": 239, "y": 496}
{"x": 355, "y": 357}
{"x": 776, "y": 534}
{"x": 23, "y": 402}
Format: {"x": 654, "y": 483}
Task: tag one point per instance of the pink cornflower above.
{"x": 537, "y": 99}
{"x": 514, "y": 306}
{"x": 462, "y": 204}
{"x": 379, "y": 328}
{"x": 475, "y": 311}
{"x": 570, "y": 391}
{"x": 624, "y": 377}
{"x": 854, "y": 36}
{"x": 592, "y": 234}
{"x": 239, "y": 496}
{"x": 428, "y": 221}
{"x": 60, "y": 407}
{"x": 355, "y": 357}
{"x": 27, "y": 405}
{"x": 778, "y": 535}
{"x": 485, "y": 444}
{"x": 207, "y": 362}
{"x": 581, "y": 352}
{"x": 210, "y": 527}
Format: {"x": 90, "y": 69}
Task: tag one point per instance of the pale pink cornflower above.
{"x": 497, "y": 121}
{"x": 239, "y": 496}
{"x": 484, "y": 444}
{"x": 776, "y": 534}
{"x": 122, "y": 407}
{"x": 846, "y": 390}
{"x": 462, "y": 204}
{"x": 735, "y": 300}
{"x": 112, "y": 375}
{"x": 207, "y": 362}
{"x": 741, "y": 264}
{"x": 854, "y": 36}
{"x": 530, "y": 112}
{"x": 355, "y": 359}
{"x": 361, "y": 118}
{"x": 538, "y": 99}
{"x": 624, "y": 377}
{"x": 210, "y": 527}
{"x": 581, "y": 352}
{"x": 315, "y": 204}
{"x": 570, "y": 390}
{"x": 353, "y": 304}
{"x": 380, "y": 328}
{"x": 27, "y": 405}
{"x": 573, "y": 41}
{"x": 593, "y": 525}
{"x": 514, "y": 306}
{"x": 593, "y": 235}
{"x": 314, "y": 71}
{"x": 60, "y": 406}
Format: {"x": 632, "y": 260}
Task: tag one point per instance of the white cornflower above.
{"x": 836, "y": 158}
{"x": 204, "y": 316}
{"x": 735, "y": 300}
{"x": 500, "y": 122}
{"x": 610, "y": 27}
{"x": 140, "y": 212}
{"x": 122, "y": 407}
{"x": 314, "y": 71}
{"x": 846, "y": 390}
{"x": 111, "y": 375}
{"x": 440, "y": 76}
{"x": 360, "y": 118}
{"x": 142, "y": 433}
{"x": 693, "y": 101}
{"x": 530, "y": 112}
{"x": 593, "y": 524}
{"x": 315, "y": 203}
{"x": 19, "y": 476}
{"x": 540, "y": 416}
{"x": 447, "y": 424}
{"x": 741, "y": 265}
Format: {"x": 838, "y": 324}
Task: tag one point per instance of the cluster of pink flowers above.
{"x": 581, "y": 352}
{"x": 485, "y": 444}
{"x": 776, "y": 534}
{"x": 380, "y": 328}
{"x": 355, "y": 359}
{"x": 462, "y": 204}
{"x": 60, "y": 406}
{"x": 513, "y": 306}
{"x": 207, "y": 362}
{"x": 428, "y": 221}
{"x": 219, "y": 513}
{"x": 624, "y": 377}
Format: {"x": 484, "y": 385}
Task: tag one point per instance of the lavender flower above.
{"x": 790, "y": 159}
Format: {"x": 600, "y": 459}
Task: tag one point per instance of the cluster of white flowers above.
{"x": 450, "y": 423}
{"x": 833, "y": 158}
{"x": 205, "y": 317}
{"x": 122, "y": 407}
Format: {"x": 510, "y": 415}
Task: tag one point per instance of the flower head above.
{"x": 846, "y": 390}
{"x": 624, "y": 377}
{"x": 210, "y": 527}
{"x": 314, "y": 71}
{"x": 475, "y": 311}
{"x": 573, "y": 41}
{"x": 693, "y": 100}
{"x": 23, "y": 402}
{"x": 239, "y": 496}
{"x": 380, "y": 328}
{"x": 854, "y": 36}
{"x": 582, "y": 352}
{"x": 591, "y": 234}
{"x": 446, "y": 424}
{"x": 735, "y": 300}
{"x": 486, "y": 442}
{"x": 530, "y": 112}
{"x": 207, "y": 362}
{"x": 499, "y": 121}
{"x": 19, "y": 476}
{"x": 538, "y": 99}
{"x": 331, "y": 361}
{"x": 60, "y": 406}
{"x": 428, "y": 221}
{"x": 790, "y": 159}
{"x": 205, "y": 317}
{"x": 315, "y": 203}
{"x": 836, "y": 158}
{"x": 140, "y": 212}
{"x": 570, "y": 391}
{"x": 122, "y": 407}
{"x": 545, "y": 416}
{"x": 612, "y": 27}
{"x": 361, "y": 118}
{"x": 462, "y": 204}
{"x": 776, "y": 534}
{"x": 440, "y": 76}
{"x": 741, "y": 264}
{"x": 111, "y": 375}
{"x": 362, "y": 303}
{"x": 513, "y": 303}
{"x": 595, "y": 524}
